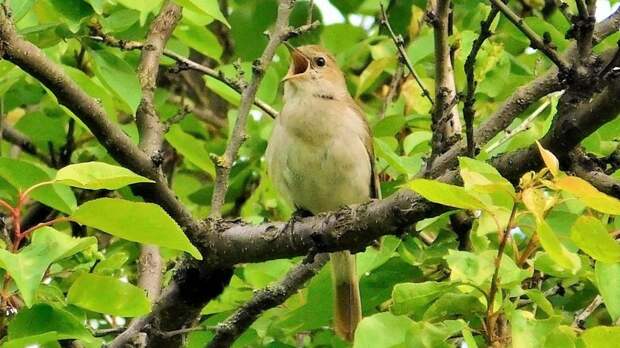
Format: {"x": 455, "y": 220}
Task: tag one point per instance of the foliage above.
{"x": 538, "y": 252}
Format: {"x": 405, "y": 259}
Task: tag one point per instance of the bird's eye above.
{"x": 320, "y": 61}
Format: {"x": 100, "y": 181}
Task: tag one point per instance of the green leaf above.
{"x": 591, "y": 236}
{"x": 72, "y": 11}
{"x": 145, "y": 223}
{"x": 372, "y": 73}
{"x": 608, "y": 283}
{"x": 453, "y": 304}
{"x": 208, "y": 7}
{"x": 20, "y": 8}
{"x": 589, "y": 195}
{"x": 411, "y": 298}
{"x": 600, "y": 336}
{"x": 384, "y": 151}
{"x": 22, "y": 175}
{"x": 42, "y": 318}
{"x": 483, "y": 177}
{"x": 382, "y": 330}
{"x": 556, "y": 250}
{"x": 451, "y": 195}
{"x": 118, "y": 76}
{"x": 41, "y": 340}
{"x": 97, "y": 176}
{"x": 427, "y": 335}
{"x": 29, "y": 265}
{"x": 119, "y": 298}
{"x": 191, "y": 148}
{"x": 528, "y": 332}
{"x": 541, "y": 301}
{"x": 199, "y": 38}
{"x": 468, "y": 267}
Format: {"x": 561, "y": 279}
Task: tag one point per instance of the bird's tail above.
{"x": 347, "y": 304}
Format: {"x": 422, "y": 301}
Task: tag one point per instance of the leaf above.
{"x": 372, "y": 73}
{"x": 29, "y": 265}
{"x": 468, "y": 267}
{"x": 541, "y": 301}
{"x": 427, "y": 335}
{"x": 383, "y": 151}
{"x": 608, "y": 283}
{"x": 551, "y": 162}
{"x": 483, "y": 177}
{"x": 382, "y": 330}
{"x": 411, "y": 298}
{"x": 210, "y": 8}
{"x": 145, "y": 223}
{"x": 122, "y": 299}
{"x": 118, "y": 77}
{"x": 535, "y": 201}
{"x": 556, "y": 250}
{"x": 450, "y": 195}
{"x": 191, "y": 148}
{"x": 199, "y": 38}
{"x": 97, "y": 176}
{"x": 453, "y": 304}
{"x": 528, "y": 332}
{"x": 20, "y": 8}
{"x": 591, "y": 236}
{"x": 33, "y": 341}
{"x": 600, "y": 336}
{"x": 22, "y": 175}
{"x": 589, "y": 195}
{"x": 43, "y": 318}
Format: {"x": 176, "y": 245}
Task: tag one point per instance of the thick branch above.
{"x": 446, "y": 124}
{"x": 228, "y": 331}
{"x": 589, "y": 170}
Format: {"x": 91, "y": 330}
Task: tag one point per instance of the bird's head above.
{"x": 314, "y": 71}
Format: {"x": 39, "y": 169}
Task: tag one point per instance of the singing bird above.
{"x": 320, "y": 158}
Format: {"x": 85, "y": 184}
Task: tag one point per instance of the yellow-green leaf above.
{"x": 589, "y": 195}
{"x": 97, "y": 176}
{"x": 551, "y": 162}
{"x": 556, "y": 250}
{"x": 591, "y": 236}
{"x": 451, "y": 195}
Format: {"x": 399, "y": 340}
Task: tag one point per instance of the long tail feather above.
{"x": 347, "y": 303}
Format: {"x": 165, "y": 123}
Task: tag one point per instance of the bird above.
{"x": 320, "y": 158}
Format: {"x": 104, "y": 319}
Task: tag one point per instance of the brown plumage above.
{"x": 320, "y": 158}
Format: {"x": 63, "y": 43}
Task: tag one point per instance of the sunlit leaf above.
{"x": 589, "y": 195}
{"x": 556, "y": 250}
{"x": 139, "y": 222}
{"x": 591, "y": 236}
{"x": 608, "y": 283}
{"x": 450, "y": 195}
{"x": 551, "y": 162}
{"x": 97, "y": 176}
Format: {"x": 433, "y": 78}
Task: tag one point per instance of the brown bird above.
{"x": 320, "y": 158}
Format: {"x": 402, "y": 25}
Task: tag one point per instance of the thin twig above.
{"x": 491, "y": 317}
{"x": 184, "y": 64}
{"x": 204, "y": 114}
{"x": 280, "y": 33}
{"x": 228, "y": 331}
{"x": 469, "y": 111}
{"x": 310, "y": 9}
{"x": 536, "y": 41}
{"x": 19, "y": 139}
{"x": 523, "y": 126}
{"x": 400, "y": 46}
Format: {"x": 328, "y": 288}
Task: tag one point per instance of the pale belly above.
{"x": 321, "y": 176}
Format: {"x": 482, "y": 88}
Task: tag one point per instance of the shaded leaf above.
{"x": 608, "y": 283}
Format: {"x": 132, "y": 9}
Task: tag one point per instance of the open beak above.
{"x": 299, "y": 63}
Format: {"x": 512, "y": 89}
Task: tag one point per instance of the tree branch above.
{"x": 470, "y": 64}
{"x": 446, "y": 124}
{"x": 281, "y": 32}
{"x": 536, "y": 41}
{"x": 151, "y": 130}
{"x": 19, "y": 139}
{"x": 588, "y": 169}
{"x": 228, "y": 331}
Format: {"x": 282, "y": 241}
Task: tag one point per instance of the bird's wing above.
{"x": 375, "y": 187}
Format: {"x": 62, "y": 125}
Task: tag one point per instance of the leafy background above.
{"x": 77, "y": 279}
